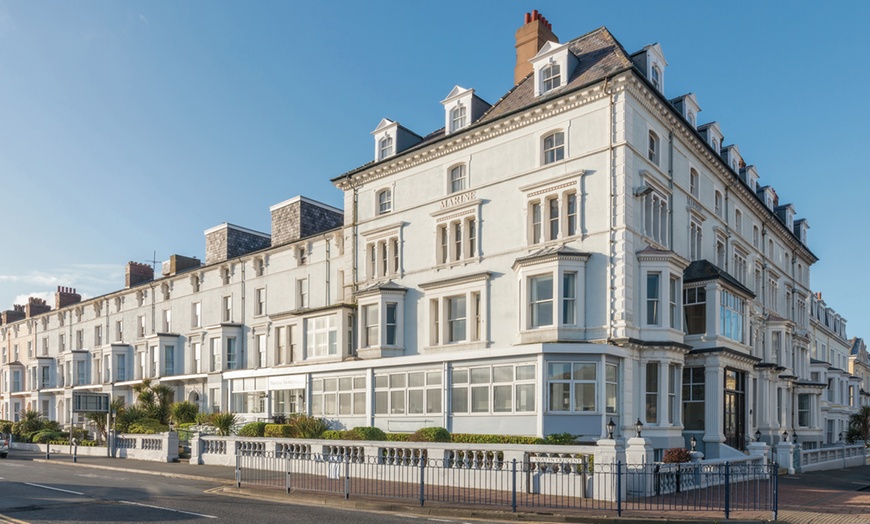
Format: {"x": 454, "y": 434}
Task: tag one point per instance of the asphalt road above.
{"x": 43, "y": 493}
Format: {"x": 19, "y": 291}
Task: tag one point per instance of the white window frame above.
{"x": 553, "y": 147}
{"x": 457, "y": 178}
{"x": 475, "y": 291}
{"x": 384, "y": 201}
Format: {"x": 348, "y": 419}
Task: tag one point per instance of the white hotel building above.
{"x": 585, "y": 249}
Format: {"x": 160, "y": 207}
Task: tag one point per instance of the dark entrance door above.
{"x": 735, "y": 409}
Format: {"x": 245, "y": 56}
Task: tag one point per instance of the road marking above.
{"x": 53, "y": 489}
{"x": 167, "y": 509}
{"x": 9, "y": 520}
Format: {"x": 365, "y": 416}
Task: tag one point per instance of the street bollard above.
{"x": 48, "y": 451}
{"x": 75, "y": 444}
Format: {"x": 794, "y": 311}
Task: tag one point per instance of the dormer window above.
{"x": 656, "y": 77}
{"x": 385, "y": 201}
{"x": 691, "y": 118}
{"x": 458, "y": 178}
{"x": 458, "y": 117}
{"x": 385, "y": 147}
{"x": 551, "y": 78}
{"x": 554, "y": 147}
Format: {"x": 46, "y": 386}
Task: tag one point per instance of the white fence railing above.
{"x": 162, "y": 447}
{"x": 834, "y": 457}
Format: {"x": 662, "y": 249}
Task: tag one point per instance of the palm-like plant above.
{"x": 859, "y": 426}
{"x": 155, "y": 399}
{"x": 224, "y": 423}
{"x": 183, "y": 412}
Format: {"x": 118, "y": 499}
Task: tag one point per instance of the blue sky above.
{"x": 128, "y": 128}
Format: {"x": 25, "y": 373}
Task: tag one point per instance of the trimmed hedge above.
{"x": 278, "y": 431}
{"x": 398, "y": 437}
{"x": 472, "y": 438}
{"x": 369, "y": 433}
{"x": 253, "y": 429}
{"x": 434, "y": 434}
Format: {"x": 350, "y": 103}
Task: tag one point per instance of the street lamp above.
{"x": 638, "y": 426}
{"x": 757, "y": 435}
{"x": 610, "y": 427}
{"x": 841, "y": 436}
{"x": 785, "y": 436}
{"x": 693, "y": 442}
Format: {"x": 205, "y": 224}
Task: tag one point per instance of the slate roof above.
{"x": 598, "y": 54}
{"x": 701, "y": 270}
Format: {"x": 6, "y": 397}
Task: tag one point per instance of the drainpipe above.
{"x": 611, "y": 269}
{"x": 671, "y": 188}
{"x": 354, "y": 229}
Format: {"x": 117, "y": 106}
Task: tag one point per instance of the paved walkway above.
{"x": 836, "y": 496}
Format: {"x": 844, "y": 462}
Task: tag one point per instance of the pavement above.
{"x": 836, "y": 496}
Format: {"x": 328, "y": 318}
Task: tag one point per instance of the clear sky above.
{"x": 129, "y": 128}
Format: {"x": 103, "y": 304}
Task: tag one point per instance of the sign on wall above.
{"x": 85, "y": 402}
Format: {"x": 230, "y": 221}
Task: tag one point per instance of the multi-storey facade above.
{"x": 583, "y": 250}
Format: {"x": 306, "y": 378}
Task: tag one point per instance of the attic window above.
{"x": 691, "y": 118}
{"x": 551, "y": 77}
{"x": 656, "y": 77}
{"x": 385, "y": 147}
{"x": 457, "y": 118}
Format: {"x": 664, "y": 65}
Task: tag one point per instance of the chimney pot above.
{"x": 530, "y": 38}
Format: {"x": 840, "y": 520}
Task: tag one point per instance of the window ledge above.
{"x": 552, "y": 334}
{"x": 380, "y": 352}
{"x": 457, "y": 346}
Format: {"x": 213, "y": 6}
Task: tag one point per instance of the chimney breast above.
{"x": 138, "y": 273}
{"x": 66, "y": 296}
{"x": 531, "y": 37}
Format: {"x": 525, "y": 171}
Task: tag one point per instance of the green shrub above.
{"x": 398, "y": 437}
{"x": 45, "y": 435}
{"x": 677, "y": 456}
{"x": 368, "y": 433}
{"x": 560, "y": 439}
{"x": 278, "y": 431}
{"x": 253, "y": 429}
{"x": 434, "y": 434}
{"x": 183, "y": 412}
{"x": 147, "y": 426}
{"x": 333, "y": 434}
{"x": 5, "y": 427}
{"x": 471, "y": 438}
{"x": 308, "y": 427}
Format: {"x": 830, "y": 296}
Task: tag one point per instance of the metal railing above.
{"x": 540, "y": 482}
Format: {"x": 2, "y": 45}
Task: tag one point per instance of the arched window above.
{"x": 385, "y": 201}
{"x": 551, "y": 77}
{"x": 654, "y": 148}
{"x": 385, "y": 147}
{"x": 457, "y": 178}
{"x": 717, "y": 204}
{"x": 554, "y": 147}
{"x": 692, "y": 119}
{"x": 457, "y": 118}
{"x": 693, "y": 183}
{"x": 656, "y": 78}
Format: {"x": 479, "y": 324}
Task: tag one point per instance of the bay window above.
{"x": 571, "y": 387}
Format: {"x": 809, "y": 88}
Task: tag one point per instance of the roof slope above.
{"x": 598, "y": 55}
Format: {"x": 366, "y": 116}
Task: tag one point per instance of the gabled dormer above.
{"x": 786, "y": 213}
{"x": 462, "y": 108}
{"x": 750, "y": 175}
{"x": 651, "y": 62}
{"x": 768, "y": 196}
{"x": 391, "y": 138}
{"x": 801, "y": 226}
{"x": 712, "y": 135}
{"x": 688, "y": 106}
{"x": 553, "y": 66}
{"x": 731, "y": 156}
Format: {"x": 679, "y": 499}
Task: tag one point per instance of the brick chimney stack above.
{"x": 138, "y": 273}
{"x": 531, "y": 37}
{"x": 66, "y": 296}
{"x": 36, "y": 306}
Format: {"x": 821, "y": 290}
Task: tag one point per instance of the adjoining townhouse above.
{"x": 583, "y": 250}
{"x": 859, "y": 367}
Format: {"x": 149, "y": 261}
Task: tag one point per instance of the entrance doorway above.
{"x": 735, "y": 409}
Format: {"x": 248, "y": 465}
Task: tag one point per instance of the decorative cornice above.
{"x": 465, "y": 279}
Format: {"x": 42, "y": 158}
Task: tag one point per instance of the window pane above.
{"x": 502, "y": 398}
{"x": 480, "y": 399}
{"x": 480, "y": 376}
{"x": 584, "y": 397}
{"x": 526, "y": 372}
{"x": 397, "y": 402}
{"x": 397, "y": 380}
{"x": 502, "y": 373}
{"x": 525, "y": 397}
{"x": 433, "y": 401}
{"x": 459, "y": 400}
{"x": 460, "y": 376}
{"x": 381, "y": 402}
{"x": 433, "y": 378}
{"x": 359, "y": 403}
{"x": 415, "y": 401}
{"x": 415, "y": 379}
{"x": 584, "y": 371}
{"x": 560, "y": 396}
{"x": 560, "y": 371}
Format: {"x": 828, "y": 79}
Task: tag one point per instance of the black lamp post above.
{"x": 841, "y": 435}
{"x": 785, "y": 436}
{"x": 610, "y": 427}
{"x": 693, "y": 442}
{"x": 638, "y": 426}
{"x": 757, "y": 435}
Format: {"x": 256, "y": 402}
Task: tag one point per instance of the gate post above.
{"x": 422, "y": 481}
{"x": 514, "y": 485}
{"x": 727, "y": 490}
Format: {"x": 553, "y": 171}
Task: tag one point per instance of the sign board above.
{"x": 287, "y": 382}
{"x": 86, "y": 402}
